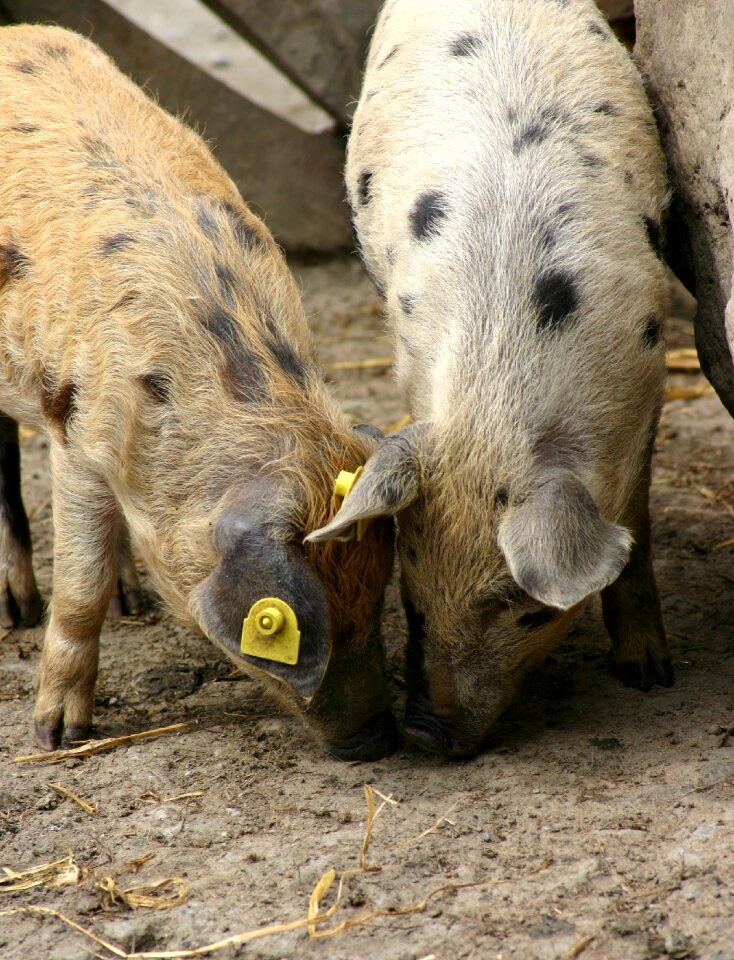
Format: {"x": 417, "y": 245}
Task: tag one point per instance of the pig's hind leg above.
{"x": 86, "y": 528}
{"x": 128, "y": 598}
{"x": 20, "y": 601}
{"x": 631, "y": 607}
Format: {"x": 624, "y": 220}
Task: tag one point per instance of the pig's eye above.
{"x": 538, "y": 618}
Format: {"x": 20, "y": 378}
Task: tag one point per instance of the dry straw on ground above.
{"x": 314, "y": 921}
{"x": 100, "y": 746}
{"x": 50, "y": 875}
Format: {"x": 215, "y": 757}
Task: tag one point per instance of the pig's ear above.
{"x": 389, "y": 482}
{"x": 558, "y": 547}
{"x": 252, "y": 565}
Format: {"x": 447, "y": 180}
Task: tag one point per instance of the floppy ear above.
{"x": 388, "y": 483}
{"x": 558, "y": 547}
{"x": 252, "y": 566}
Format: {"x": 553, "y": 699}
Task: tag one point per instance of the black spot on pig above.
{"x": 287, "y": 359}
{"x": 652, "y": 332}
{"x": 532, "y": 133}
{"x": 363, "y": 188}
{"x": 56, "y": 51}
{"x": 598, "y": 31}
{"x": 226, "y": 281}
{"x": 428, "y": 211}
{"x": 389, "y": 57}
{"x": 243, "y": 377}
{"x": 591, "y": 161}
{"x": 58, "y": 403}
{"x": 12, "y": 262}
{"x": 532, "y": 621}
{"x": 607, "y": 109}
{"x": 465, "y": 45}
{"x": 157, "y": 385}
{"x": 556, "y": 299}
{"x": 246, "y": 235}
{"x": 115, "y": 243}
{"x": 222, "y": 326}
{"x": 206, "y": 222}
{"x": 407, "y": 303}
{"x": 652, "y": 228}
{"x": 26, "y": 66}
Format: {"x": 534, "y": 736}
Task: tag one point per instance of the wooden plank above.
{"x": 319, "y": 44}
{"x": 291, "y": 178}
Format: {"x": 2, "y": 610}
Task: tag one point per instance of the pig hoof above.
{"x": 24, "y": 612}
{"x": 126, "y": 601}
{"x": 31, "y": 610}
{"x": 377, "y": 739}
{"x": 73, "y": 735}
{"x": 644, "y": 674}
{"x": 47, "y": 737}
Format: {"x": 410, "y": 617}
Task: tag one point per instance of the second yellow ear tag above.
{"x": 271, "y": 631}
{"x": 342, "y": 487}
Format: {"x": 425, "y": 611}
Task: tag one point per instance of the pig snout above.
{"x": 432, "y": 718}
{"x": 352, "y": 707}
{"x": 378, "y": 738}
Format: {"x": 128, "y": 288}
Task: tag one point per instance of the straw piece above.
{"x": 151, "y": 895}
{"x": 432, "y": 829}
{"x": 674, "y": 392}
{"x": 317, "y": 894}
{"x": 372, "y": 363}
{"x": 398, "y": 425}
{"x": 57, "y": 874}
{"x": 578, "y": 948}
{"x": 99, "y": 746}
{"x": 683, "y": 360}
{"x": 234, "y": 940}
{"x": 71, "y": 923}
{"x": 418, "y": 907}
{"x": 65, "y": 792}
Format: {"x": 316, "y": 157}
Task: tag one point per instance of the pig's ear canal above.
{"x": 253, "y": 566}
{"x": 558, "y": 547}
{"x": 388, "y": 484}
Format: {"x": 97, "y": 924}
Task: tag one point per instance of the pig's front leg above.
{"x": 85, "y": 570}
{"x": 632, "y": 613}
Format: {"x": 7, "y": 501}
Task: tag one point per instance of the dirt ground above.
{"x": 599, "y": 819}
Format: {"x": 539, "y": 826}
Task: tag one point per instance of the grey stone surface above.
{"x": 319, "y": 44}
{"x": 686, "y": 53}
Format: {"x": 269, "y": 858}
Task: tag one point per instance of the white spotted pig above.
{"x": 507, "y": 186}
{"x": 149, "y": 324}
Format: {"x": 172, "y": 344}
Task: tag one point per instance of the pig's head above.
{"x": 491, "y": 573}
{"x": 335, "y": 590}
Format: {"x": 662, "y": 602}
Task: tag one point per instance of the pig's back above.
{"x": 507, "y": 186}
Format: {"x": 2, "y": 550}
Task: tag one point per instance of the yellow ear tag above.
{"x": 342, "y": 488}
{"x": 271, "y": 631}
